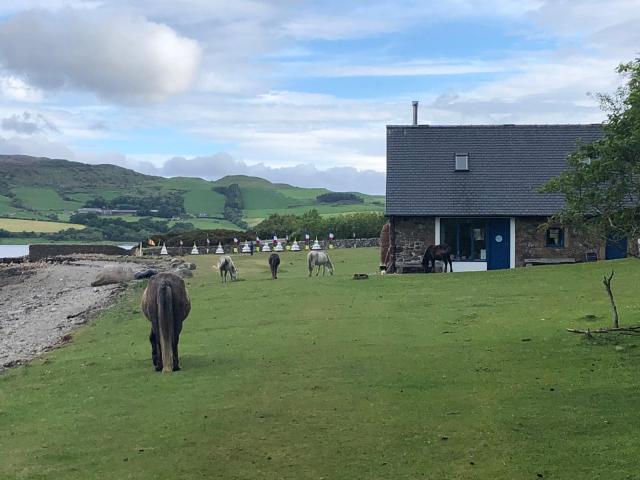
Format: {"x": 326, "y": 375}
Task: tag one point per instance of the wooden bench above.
{"x": 409, "y": 267}
{"x": 591, "y": 257}
{"x": 529, "y": 262}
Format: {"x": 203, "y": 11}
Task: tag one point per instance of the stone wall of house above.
{"x": 531, "y": 243}
{"x": 413, "y": 236}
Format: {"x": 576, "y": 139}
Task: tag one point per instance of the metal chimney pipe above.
{"x": 415, "y": 112}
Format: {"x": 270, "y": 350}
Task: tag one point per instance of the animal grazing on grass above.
{"x": 226, "y": 266}
{"x": 274, "y": 262}
{"x": 166, "y": 304}
{"x": 440, "y": 252}
{"x": 321, "y": 259}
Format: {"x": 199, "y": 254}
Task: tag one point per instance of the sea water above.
{"x": 13, "y": 251}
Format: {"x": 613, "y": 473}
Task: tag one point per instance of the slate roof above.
{"x": 507, "y": 163}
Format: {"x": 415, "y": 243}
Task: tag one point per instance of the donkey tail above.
{"x": 165, "y": 325}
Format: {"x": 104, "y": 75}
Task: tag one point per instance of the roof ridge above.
{"x": 496, "y": 125}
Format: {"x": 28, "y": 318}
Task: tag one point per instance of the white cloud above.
{"x": 255, "y": 54}
{"x": 28, "y": 123}
{"x": 303, "y": 175}
{"x": 570, "y": 18}
{"x": 421, "y": 68}
{"x": 115, "y": 55}
{"x": 11, "y": 7}
{"x": 14, "y": 88}
{"x": 35, "y": 145}
{"x": 349, "y": 20}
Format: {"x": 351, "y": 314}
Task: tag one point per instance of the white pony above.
{"x": 321, "y": 259}
{"x": 226, "y": 265}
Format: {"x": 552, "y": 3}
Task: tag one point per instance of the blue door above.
{"x": 498, "y": 238}
{"x": 616, "y": 248}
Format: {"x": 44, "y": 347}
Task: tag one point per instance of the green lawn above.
{"x": 459, "y": 376}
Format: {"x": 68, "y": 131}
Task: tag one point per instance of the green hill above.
{"x": 51, "y": 189}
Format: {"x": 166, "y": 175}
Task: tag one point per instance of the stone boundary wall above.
{"x": 342, "y": 243}
{"x": 41, "y": 251}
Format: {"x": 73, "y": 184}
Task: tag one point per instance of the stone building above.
{"x": 475, "y": 187}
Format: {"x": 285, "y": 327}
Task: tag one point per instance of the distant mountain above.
{"x": 40, "y": 188}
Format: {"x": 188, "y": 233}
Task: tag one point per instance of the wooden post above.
{"x": 614, "y": 309}
{"x": 392, "y": 244}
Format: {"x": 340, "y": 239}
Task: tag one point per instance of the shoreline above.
{"x": 41, "y": 303}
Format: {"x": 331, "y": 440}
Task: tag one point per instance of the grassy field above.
{"x": 39, "y": 198}
{"x": 5, "y": 206}
{"x": 21, "y": 241}
{"x": 37, "y": 240}
{"x": 463, "y": 376}
{"x": 209, "y": 223}
{"x": 19, "y": 225}
{"x": 253, "y": 217}
{"x": 201, "y": 223}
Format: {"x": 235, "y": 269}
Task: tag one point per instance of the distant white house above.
{"x": 107, "y": 211}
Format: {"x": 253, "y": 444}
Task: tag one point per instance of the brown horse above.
{"x": 166, "y": 304}
{"x": 274, "y": 261}
{"x": 440, "y": 252}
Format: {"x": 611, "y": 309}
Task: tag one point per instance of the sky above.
{"x": 293, "y": 91}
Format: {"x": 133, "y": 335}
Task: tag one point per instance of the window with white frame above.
{"x": 554, "y": 237}
{"x": 462, "y": 162}
{"x": 466, "y": 237}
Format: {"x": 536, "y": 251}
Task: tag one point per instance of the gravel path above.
{"x": 40, "y": 303}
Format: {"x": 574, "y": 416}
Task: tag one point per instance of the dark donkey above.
{"x": 440, "y": 252}
{"x": 166, "y": 304}
{"x": 274, "y": 262}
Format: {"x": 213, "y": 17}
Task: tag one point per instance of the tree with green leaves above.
{"x": 602, "y": 184}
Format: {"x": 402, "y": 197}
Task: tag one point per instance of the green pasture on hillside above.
{"x": 42, "y": 198}
{"x": 68, "y": 192}
{"x": 38, "y": 240}
{"x": 200, "y": 223}
{"x": 440, "y": 376}
{"x": 253, "y": 217}
{"x": 260, "y": 198}
{"x": 19, "y": 225}
{"x": 5, "y": 206}
{"x": 209, "y": 223}
{"x": 204, "y": 201}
